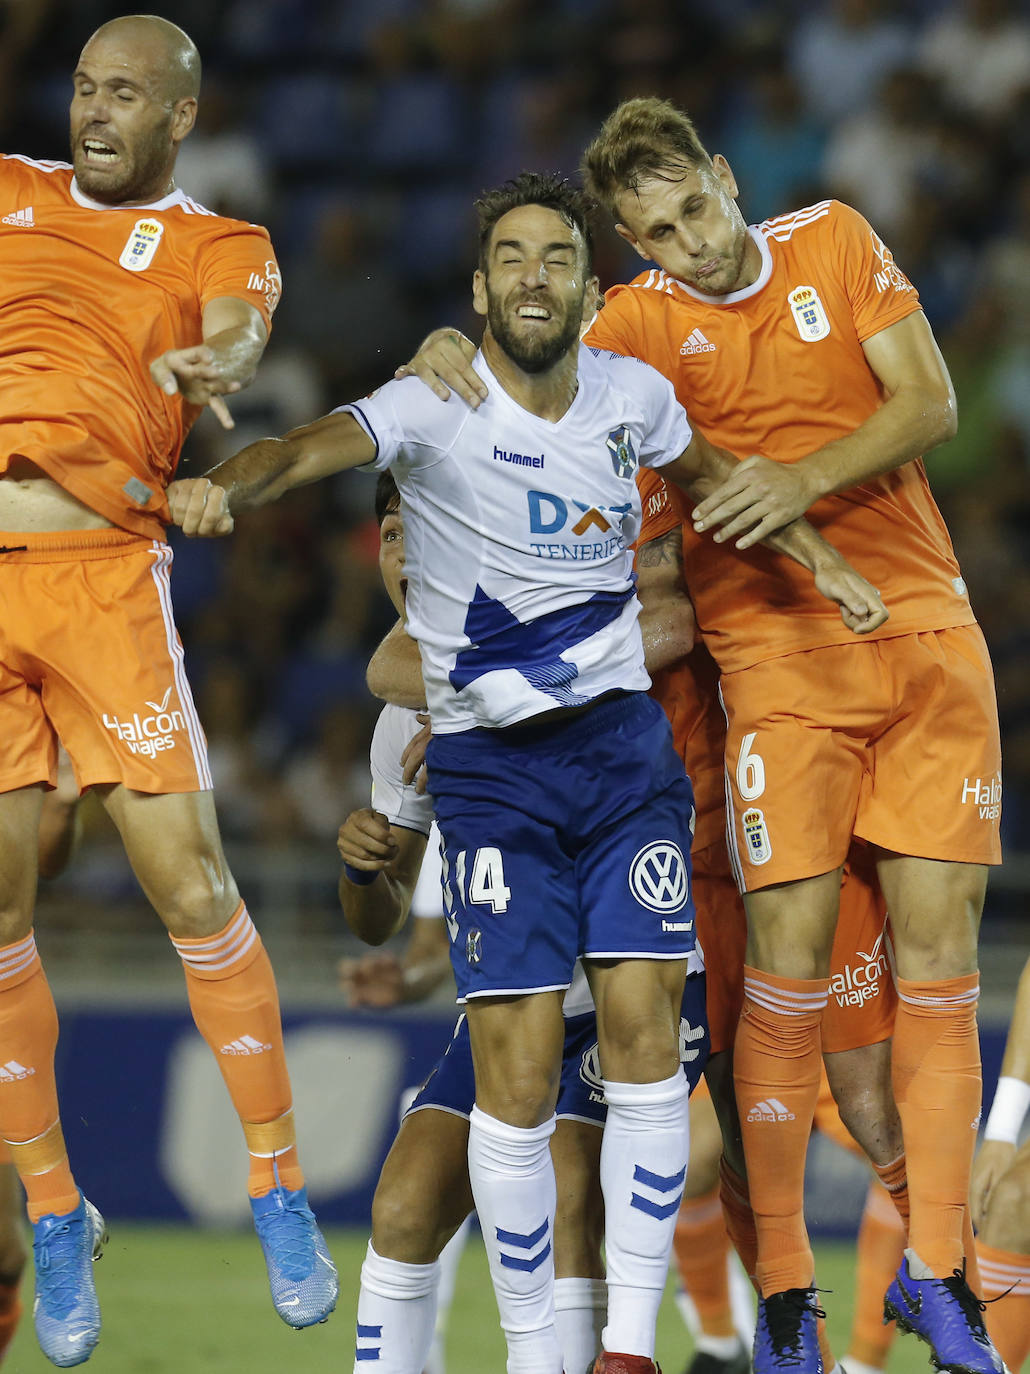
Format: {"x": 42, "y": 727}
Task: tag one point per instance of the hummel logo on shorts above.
{"x": 770, "y": 1110}
{"x": 23, "y": 218}
{"x": 12, "y": 1070}
{"x": 695, "y": 342}
{"x": 246, "y": 1044}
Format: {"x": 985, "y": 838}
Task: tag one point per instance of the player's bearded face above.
{"x": 535, "y": 345}
{"x": 121, "y": 130}
{"x": 690, "y": 226}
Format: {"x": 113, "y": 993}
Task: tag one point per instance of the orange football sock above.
{"x": 10, "y": 1311}
{"x": 777, "y": 1061}
{"x": 739, "y": 1218}
{"x": 881, "y": 1244}
{"x": 28, "y": 1090}
{"x": 1006, "y": 1277}
{"x": 236, "y": 1007}
{"x": 969, "y": 1250}
{"x": 937, "y": 1086}
{"x": 894, "y": 1178}
{"x": 702, "y": 1250}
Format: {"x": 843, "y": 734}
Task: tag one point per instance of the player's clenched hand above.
{"x": 199, "y": 507}
{"x": 413, "y": 758}
{"x": 443, "y": 363}
{"x": 758, "y": 497}
{"x": 375, "y": 980}
{"x": 992, "y": 1160}
{"x": 194, "y": 374}
{"x": 365, "y": 841}
{"x": 860, "y": 606}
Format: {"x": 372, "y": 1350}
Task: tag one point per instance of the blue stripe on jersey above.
{"x": 499, "y": 641}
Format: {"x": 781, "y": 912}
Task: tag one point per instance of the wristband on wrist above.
{"x": 361, "y": 877}
{"x": 1008, "y": 1110}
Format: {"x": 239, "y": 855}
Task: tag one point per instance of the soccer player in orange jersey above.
{"x": 126, "y": 308}
{"x": 800, "y": 342}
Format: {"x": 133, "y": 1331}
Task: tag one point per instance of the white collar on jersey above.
{"x": 765, "y": 272}
{"x": 175, "y": 197}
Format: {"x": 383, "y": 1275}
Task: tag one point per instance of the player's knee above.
{"x": 1007, "y": 1223}
{"x": 519, "y": 1096}
{"x": 198, "y": 899}
{"x": 643, "y": 1048}
{"x": 407, "y": 1225}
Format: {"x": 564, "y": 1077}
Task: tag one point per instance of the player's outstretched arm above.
{"x": 394, "y": 671}
{"x": 1011, "y": 1102}
{"x": 702, "y": 464}
{"x": 444, "y": 363}
{"x": 380, "y": 868}
{"x": 233, "y": 339}
{"x": 263, "y": 471}
{"x": 918, "y": 413}
{"x": 667, "y": 623}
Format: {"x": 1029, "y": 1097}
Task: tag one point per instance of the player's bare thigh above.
{"x": 935, "y": 912}
{"x": 638, "y": 1005}
{"x": 175, "y": 850}
{"x": 19, "y": 847}
{"x": 517, "y": 1054}
{"x": 29, "y": 500}
{"x": 790, "y": 926}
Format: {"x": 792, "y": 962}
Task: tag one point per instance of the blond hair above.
{"x": 642, "y": 138}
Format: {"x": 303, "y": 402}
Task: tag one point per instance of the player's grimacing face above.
{"x": 534, "y": 287}
{"x": 391, "y": 558}
{"x": 124, "y": 130}
{"x": 691, "y": 227}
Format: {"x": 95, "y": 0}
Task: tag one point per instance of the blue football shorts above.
{"x": 563, "y": 838}
{"x": 451, "y": 1085}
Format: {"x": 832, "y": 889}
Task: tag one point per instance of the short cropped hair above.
{"x": 388, "y": 497}
{"x": 642, "y": 138}
{"x": 549, "y": 189}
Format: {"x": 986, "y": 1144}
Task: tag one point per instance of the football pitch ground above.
{"x": 181, "y": 1301}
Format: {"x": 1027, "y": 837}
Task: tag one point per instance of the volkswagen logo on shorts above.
{"x": 658, "y": 877}
{"x": 474, "y": 946}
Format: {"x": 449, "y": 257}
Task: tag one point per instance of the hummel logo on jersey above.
{"x": 246, "y": 1044}
{"x": 770, "y": 1110}
{"x": 12, "y": 1070}
{"x": 23, "y": 218}
{"x": 695, "y": 342}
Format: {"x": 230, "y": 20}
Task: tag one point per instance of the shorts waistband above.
{"x": 61, "y": 546}
{"x": 594, "y": 718}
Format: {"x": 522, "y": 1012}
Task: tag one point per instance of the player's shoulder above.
{"x": 417, "y": 412}
{"x": 813, "y": 224}
{"x": 209, "y": 223}
{"x": 18, "y": 167}
{"x": 621, "y": 372}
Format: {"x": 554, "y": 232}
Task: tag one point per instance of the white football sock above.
{"x": 643, "y": 1164}
{"x": 513, "y": 1184}
{"x": 396, "y": 1312}
{"x": 450, "y": 1258}
{"x": 580, "y": 1306}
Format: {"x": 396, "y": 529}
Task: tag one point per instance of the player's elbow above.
{"x": 373, "y": 916}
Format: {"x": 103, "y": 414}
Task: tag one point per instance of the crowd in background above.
{"x": 360, "y": 131}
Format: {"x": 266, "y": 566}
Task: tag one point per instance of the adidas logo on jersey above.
{"x": 246, "y": 1044}
{"x": 23, "y": 218}
{"x": 12, "y": 1070}
{"x": 770, "y": 1110}
{"x": 695, "y": 342}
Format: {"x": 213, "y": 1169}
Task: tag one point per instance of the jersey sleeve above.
{"x": 670, "y": 431}
{"x": 614, "y": 327}
{"x": 398, "y": 801}
{"x": 240, "y": 262}
{"x": 659, "y": 514}
{"x": 879, "y": 292}
{"x": 405, "y": 420}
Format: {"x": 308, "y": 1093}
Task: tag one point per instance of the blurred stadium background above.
{"x": 359, "y": 132}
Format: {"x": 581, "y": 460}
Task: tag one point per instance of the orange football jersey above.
{"x": 777, "y": 369}
{"x": 90, "y": 295}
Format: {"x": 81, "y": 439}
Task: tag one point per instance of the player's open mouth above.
{"x": 533, "y": 312}
{"x": 98, "y": 154}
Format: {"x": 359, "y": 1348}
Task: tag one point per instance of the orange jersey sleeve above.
{"x": 778, "y": 369}
{"x": 90, "y": 295}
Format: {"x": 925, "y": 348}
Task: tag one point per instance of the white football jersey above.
{"x": 517, "y": 535}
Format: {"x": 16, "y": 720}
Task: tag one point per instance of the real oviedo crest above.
{"x": 809, "y": 314}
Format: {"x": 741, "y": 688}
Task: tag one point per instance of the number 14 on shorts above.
{"x": 485, "y": 880}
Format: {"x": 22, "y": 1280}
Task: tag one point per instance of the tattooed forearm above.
{"x": 667, "y": 548}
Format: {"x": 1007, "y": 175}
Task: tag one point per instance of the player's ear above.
{"x": 724, "y": 172}
{"x": 631, "y": 238}
{"x": 479, "y": 293}
{"x": 184, "y": 115}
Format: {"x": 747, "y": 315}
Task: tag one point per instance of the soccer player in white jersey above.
{"x": 564, "y": 809}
